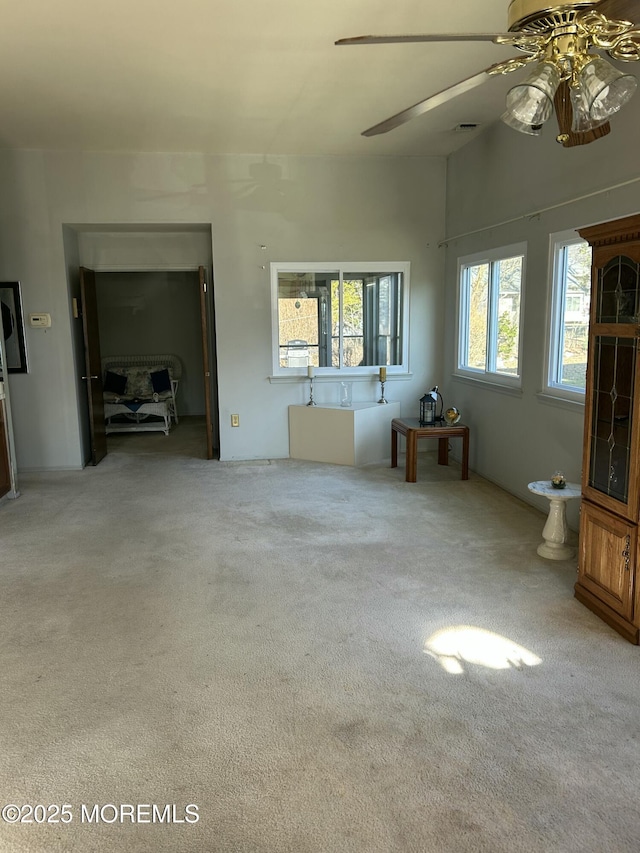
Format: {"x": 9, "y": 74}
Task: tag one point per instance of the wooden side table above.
{"x": 411, "y": 429}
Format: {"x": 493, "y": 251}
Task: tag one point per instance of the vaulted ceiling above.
{"x": 240, "y": 76}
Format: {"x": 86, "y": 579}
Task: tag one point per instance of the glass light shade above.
{"x": 582, "y": 120}
{"x": 512, "y": 121}
{"x": 531, "y": 102}
{"x": 605, "y": 88}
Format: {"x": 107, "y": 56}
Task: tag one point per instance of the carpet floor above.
{"x": 283, "y": 656}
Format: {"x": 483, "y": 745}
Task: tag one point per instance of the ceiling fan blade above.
{"x": 425, "y": 38}
{"x": 619, "y": 10}
{"x": 443, "y": 96}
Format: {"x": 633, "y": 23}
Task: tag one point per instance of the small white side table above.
{"x": 555, "y": 530}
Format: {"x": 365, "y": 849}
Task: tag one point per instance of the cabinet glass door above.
{"x": 612, "y": 415}
{"x": 618, "y": 299}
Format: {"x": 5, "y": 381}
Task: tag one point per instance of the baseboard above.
{"x": 625, "y": 628}
{"x": 65, "y": 468}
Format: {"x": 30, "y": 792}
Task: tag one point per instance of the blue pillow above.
{"x": 161, "y": 381}
{"x": 114, "y": 382}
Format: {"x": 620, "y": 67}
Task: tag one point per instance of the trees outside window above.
{"x": 569, "y": 320}
{"x": 490, "y": 314}
{"x": 340, "y": 317}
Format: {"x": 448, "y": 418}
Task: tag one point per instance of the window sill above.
{"x": 548, "y": 398}
{"x": 511, "y": 390}
{"x": 340, "y": 377}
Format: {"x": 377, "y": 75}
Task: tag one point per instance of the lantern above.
{"x": 428, "y": 405}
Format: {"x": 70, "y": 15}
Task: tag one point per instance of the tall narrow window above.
{"x": 347, "y": 317}
{"x": 569, "y": 321}
{"x": 490, "y": 315}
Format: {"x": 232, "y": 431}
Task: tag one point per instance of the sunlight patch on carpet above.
{"x": 453, "y": 647}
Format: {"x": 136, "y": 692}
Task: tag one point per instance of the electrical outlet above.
{"x": 235, "y": 420}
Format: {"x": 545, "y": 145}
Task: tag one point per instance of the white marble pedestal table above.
{"x": 555, "y": 531}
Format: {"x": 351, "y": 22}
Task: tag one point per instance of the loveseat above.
{"x": 140, "y": 392}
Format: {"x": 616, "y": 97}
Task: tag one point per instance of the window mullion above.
{"x": 492, "y": 317}
{"x": 560, "y": 301}
{"x": 463, "y": 336}
{"x": 396, "y": 319}
{"x": 341, "y": 321}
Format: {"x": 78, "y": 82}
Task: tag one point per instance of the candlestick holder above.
{"x": 382, "y": 397}
{"x": 311, "y": 400}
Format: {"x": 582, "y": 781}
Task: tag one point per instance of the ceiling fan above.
{"x": 567, "y": 74}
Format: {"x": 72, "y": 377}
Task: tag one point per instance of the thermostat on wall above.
{"x": 40, "y": 321}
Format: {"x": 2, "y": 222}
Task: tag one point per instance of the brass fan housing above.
{"x": 535, "y": 17}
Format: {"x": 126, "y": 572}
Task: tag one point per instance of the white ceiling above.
{"x": 240, "y": 76}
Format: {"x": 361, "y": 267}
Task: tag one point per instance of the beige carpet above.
{"x": 321, "y": 659}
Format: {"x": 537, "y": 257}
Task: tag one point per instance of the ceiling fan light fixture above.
{"x": 531, "y": 102}
{"x": 605, "y": 88}
{"x": 582, "y": 120}
{"x": 562, "y": 44}
{"x": 530, "y": 129}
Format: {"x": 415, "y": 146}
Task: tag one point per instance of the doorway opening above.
{"x": 166, "y": 266}
{"x": 143, "y": 318}
{"x": 144, "y": 313}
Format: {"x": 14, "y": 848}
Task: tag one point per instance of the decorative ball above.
{"x": 558, "y": 480}
{"x": 452, "y": 415}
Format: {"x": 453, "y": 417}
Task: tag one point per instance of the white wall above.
{"x": 300, "y": 209}
{"x": 503, "y": 176}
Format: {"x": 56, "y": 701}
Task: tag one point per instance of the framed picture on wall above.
{"x": 13, "y": 327}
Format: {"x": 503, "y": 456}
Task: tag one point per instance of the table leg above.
{"x": 443, "y": 451}
{"x": 465, "y": 455}
{"x": 555, "y": 533}
{"x": 394, "y": 448}
{"x": 411, "y": 470}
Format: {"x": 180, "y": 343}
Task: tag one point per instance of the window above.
{"x": 339, "y": 316}
{"x": 569, "y": 321}
{"x": 490, "y": 315}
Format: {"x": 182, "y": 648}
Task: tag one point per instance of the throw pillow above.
{"x": 139, "y": 383}
{"x": 114, "y": 383}
{"x": 161, "y": 381}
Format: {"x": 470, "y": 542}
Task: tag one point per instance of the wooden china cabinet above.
{"x": 608, "y": 564}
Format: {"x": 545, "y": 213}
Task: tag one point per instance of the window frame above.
{"x": 491, "y": 257}
{"x": 342, "y": 269}
{"x": 558, "y": 242}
